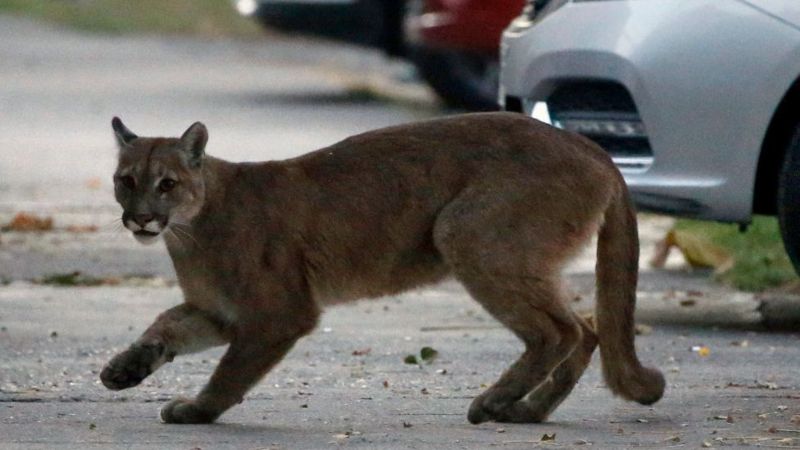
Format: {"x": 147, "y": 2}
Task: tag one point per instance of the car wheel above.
{"x": 461, "y": 79}
{"x": 789, "y": 200}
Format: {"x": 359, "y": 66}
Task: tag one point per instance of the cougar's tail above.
{"x": 617, "y": 274}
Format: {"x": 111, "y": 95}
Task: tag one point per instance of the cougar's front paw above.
{"x": 130, "y": 367}
{"x": 185, "y": 411}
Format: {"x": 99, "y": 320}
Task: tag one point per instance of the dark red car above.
{"x": 454, "y": 43}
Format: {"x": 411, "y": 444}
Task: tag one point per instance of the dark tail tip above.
{"x": 647, "y": 386}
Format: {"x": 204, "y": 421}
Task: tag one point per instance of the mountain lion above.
{"x": 497, "y": 200}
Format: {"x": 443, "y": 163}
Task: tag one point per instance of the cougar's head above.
{"x": 159, "y": 181}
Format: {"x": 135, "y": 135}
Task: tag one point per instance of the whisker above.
{"x": 177, "y": 238}
{"x": 185, "y": 233}
{"x": 114, "y": 225}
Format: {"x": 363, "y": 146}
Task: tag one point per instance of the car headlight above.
{"x": 534, "y": 11}
{"x": 246, "y": 7}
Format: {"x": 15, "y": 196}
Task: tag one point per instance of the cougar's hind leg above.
{"x": 509, "y": 260}
{"x": 550, "y": 336}
{"x": 540, "y": 403}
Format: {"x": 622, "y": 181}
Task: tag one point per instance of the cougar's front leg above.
{"x": 179, "y": 330}
{"x": 255, "y": 349}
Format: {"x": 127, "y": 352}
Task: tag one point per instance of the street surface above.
{"x": 346, "y": 385}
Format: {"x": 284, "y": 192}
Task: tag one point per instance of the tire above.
{"x": 462, "y": 79}
{"x": 788, "y": 200}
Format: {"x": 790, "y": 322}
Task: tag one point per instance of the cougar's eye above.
{"x": 127, "y": 181}
{"x": 167, "y": 185}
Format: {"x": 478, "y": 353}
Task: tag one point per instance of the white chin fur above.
{"x": 146, "y": 240}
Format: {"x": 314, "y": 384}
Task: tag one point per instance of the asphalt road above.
{"x": 346, "y": 385}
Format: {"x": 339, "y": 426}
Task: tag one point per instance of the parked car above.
{"x": 455, "y": 46}
{"x": 454, "y": 43}
{"x": 697, "y": 101}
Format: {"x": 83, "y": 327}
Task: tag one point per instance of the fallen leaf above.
{"x": 407, "y": 425}
{"x": 795, "y": 419}
{"x": 92, "y": 426}
{"x": 82, "y": 229}
{"x": 688, "y": 302}
{"x": 428, "y": 354}
{"x": 71, "y": 279}
{"x": 706, "y": 444}
{"x": 410, "y": 359}
{"x": 385, "y": 383}
{"x": 743, "y": 343}
{"x": 94, "y": 183}
{"x": 548, "y": 437}
{"x": 642, "y": 420}
{"x": 643, "y": 330}
{"x": 362, "y": 352}
{"x": 698, "y": 252}
{"x": 25, "y": 222}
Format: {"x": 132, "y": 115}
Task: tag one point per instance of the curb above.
{"x": 780, "y": 312}
{"x": 728, "y": 309}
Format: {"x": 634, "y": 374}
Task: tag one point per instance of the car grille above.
{"x": 604, "y": 112}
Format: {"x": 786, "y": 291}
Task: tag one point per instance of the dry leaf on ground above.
{"x": 548, "y": 437}
{"x": 698, "y": 252}
{"x": 29, "y": 222}
{"x": 82, "y": 228}
{"x": 94, "y": 183}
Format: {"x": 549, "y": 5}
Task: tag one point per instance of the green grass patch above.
{"x": 196, "y": 17}
{"x": 760, "y": 261}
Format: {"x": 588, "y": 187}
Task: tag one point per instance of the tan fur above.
{"x": 499, "y": 201}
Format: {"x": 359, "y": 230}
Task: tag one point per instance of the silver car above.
{"x": 697, "y": 101}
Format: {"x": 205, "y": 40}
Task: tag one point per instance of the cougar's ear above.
{"x": 194, "y": 143}
{"x": 122, "y": 133}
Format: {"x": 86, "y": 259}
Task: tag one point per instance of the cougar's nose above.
{"x": 142, "y": 219}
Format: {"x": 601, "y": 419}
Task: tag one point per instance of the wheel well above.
{"x": 773, "y": 150}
